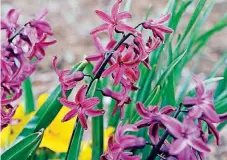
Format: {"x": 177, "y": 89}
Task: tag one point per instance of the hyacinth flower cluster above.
{"x": 120, "y": 61}
{"x": 182, "y": 127}
{"x": 21, "y": 50}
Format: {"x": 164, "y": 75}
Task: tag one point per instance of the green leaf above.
{"x": 193, "y": 19}
{"x": 24, "y": 148}
{"x": 222, "y": 84}
{"x": 169, "y": 69}
{"x": 217, "y": 66}
{"x": 97, "y": 128}
{"x": 28, "y": 96}
{"x": 48, "y": 110}
{"x": 74, "y": 146}
{"x": 77, "y": 135}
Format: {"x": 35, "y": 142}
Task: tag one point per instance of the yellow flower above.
{"x": 107, "y": 133}
{"x": 58, "y": 134}
{"x": 10, "y": 133}
{"x": 85, "y": 152}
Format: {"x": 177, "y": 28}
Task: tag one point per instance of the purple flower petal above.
{"x": 199, "y": 145}
{"x": 104, "y": 16}
{"x": 153, "y": 133}
{"x": 177, "y": 146}
{"x": 70, "y": 115}
{"x": 90, "y": 102}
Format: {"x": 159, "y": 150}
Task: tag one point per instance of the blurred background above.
{"x": 72, "y": 20}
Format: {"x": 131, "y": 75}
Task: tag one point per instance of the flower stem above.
{"x": 108, "y": 55}
{"x": 10, "y": 40}
{"x": 156, "y": 149}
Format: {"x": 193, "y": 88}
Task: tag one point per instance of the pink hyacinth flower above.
{"x": 151, "y": 117}
{"x": 121, "y": 142}
{"x": 7, "y": 113}
{"x": 67, "y": 79}
{"x": 203, "y": 103}
{"x": 123, "y": 66}
{"x": 158, "y": 27}
{"x": 10, "y": 22}
{"x": 113, "y": 22}
{"x": 40, "y": 24}
{"x": 82, "y": 106}
{"x": 186, "y": 134}
{"x": 101, "y": 50}
{"x": 38, "y": 44}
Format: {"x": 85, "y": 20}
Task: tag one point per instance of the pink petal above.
{"x": 111, "y": 44}
{"x": 158, "y": 34}
{"x": 67, "y": 103}
{"x": 123, "y": 27}
{"x": 153, "y": 133}
{"x": 190, "y": 101}
{"x": 82, "y": 120}
{"x": 110, "y": 70}
{"x": 111, "y": 32}
{"x": 115, "y": 9}
{"x": 172, "y": 125}
{"x": 42, "y": 26}
{"x": 177, "y": 146}
{"x": 90, "y": 102}
{"x": 130, "y": 74}
{"x": 101, "y": 28}
{"x": 195, "y": 112}
{"x": 94, "y": 57}
{"x": 70, "y": 115}
{"x": 223, "y": 117}
{"x": 147, "y": 63}
{"x": 118, "y": 76}
{"x": 164, "y": 29}
{"x": 200, "y": 89}
{"x": 213, "y": 130}
{"x": 13, "y": 16}
{"x": 98, "y": 43}
{"x": 123, "y": 15}
{"x": 94, "y": 113}
{"x": 80, "y": 96}
{"x": 199, "y": 145}
{"x": 164, "y": 18}
{"x": 143, "y": 112}
{"x": 128, "y": 55}
{"x": 104, "y": 16}
{"x": 167, "y": 110}
{"x": 97, "y": 66}
{"x": 210, "y": 113}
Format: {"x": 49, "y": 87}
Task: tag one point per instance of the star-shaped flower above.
{"x": 158, "y": 27}
{"x": 123, "y": 66}
{"x": 121, "y": 142}
{"x": 203, "y": 103}
{"x": 101, "y": 50}
{"x": 113, "y": 22}
{"x": 152, "y": 117}
{"x": 82, "y": 106}
{"x": 186, "y": 134}
{"x": 67, "y": 79}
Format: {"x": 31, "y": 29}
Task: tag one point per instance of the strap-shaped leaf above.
{"x": 77, "y": 135}
{"x": 48, "y": 110}
{"x": 28, "y": 96}
{"x": 25, "y": 148}
{"x": 97, "y": 128}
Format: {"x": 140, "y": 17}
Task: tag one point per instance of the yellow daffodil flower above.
{"x": 56, "y": 136}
